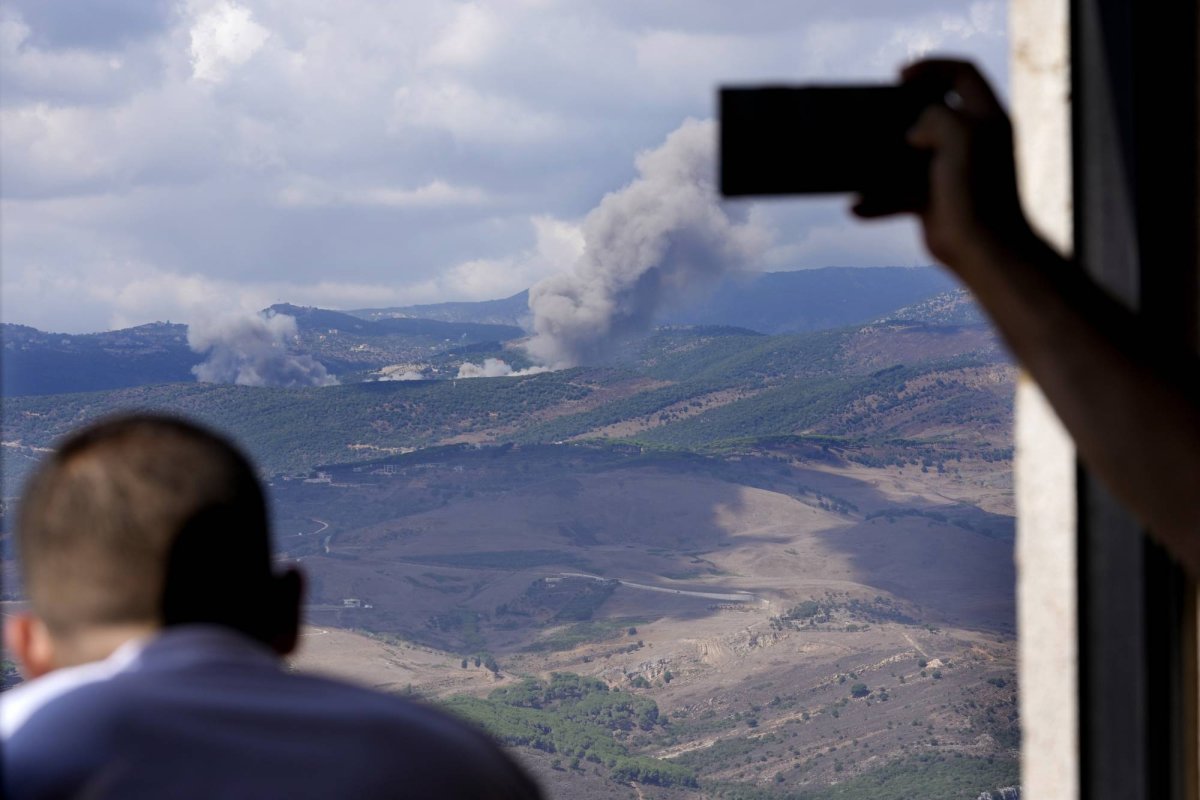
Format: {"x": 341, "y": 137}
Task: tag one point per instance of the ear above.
{"x": 26, "y": 637}
{"x": 289, "y": 594}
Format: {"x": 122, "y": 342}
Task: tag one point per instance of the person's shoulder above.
{"x": 66, "y": 715}
{"x": 381, "y": 711}
{"x": 58, "y": 729}
{"x": 25, "y": 701}
{"x": 446, "y": 749}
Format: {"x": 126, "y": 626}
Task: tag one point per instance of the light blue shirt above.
{"x": 204, "y": 712}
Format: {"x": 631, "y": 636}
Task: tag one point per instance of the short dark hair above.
{"x": 144, "y": 518}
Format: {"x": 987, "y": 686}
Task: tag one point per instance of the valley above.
{"x": 720, "y": 561}
{"x": 750, "y": 616}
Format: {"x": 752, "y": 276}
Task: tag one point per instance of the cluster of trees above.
{"x": 814, "y": 612}
{"x": 653, "y": 771}
{"x": 576, "y": 634}
{"x": 288, "y": 431}
{"x": 797, "y": 383}
{"x": 483, "y": 659}
{"x": 456, "y": 630}
{"x": 582, "y": 699}
{"x": 963, "y": 516}
{"x": 564, "y": 600}
{"x": 575, "y": 716}
{"x": 932, "y": 776}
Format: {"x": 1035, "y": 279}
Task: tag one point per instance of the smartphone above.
{"x": 823, "y": 139}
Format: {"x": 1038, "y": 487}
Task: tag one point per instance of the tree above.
{"x": 859, "y": 690}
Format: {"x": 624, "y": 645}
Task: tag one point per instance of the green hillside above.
{"x": 687, "y": 389}
{"x": 770, "y": 302}
{"x": 289, "y": 430}
{"x": 564, "y": 558}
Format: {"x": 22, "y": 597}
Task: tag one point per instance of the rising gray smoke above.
{"x": 660, "y": 236}
{"x": 251, "y": 350}
{"x": 495, "y": 368}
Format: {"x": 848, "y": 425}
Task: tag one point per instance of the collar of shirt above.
{"x": 169, "y": 649}
{"x": 195, "y": 644}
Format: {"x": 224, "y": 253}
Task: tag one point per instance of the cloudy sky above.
{"x": 160, "y": 159}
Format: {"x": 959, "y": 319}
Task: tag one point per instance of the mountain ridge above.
{"x": 355, "y": 345}
{"x": 791, "y": 301}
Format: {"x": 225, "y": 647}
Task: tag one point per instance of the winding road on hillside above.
{"x": 736, "y": 597}
{"x": 324, "y": 527}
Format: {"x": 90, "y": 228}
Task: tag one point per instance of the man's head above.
{"x": 140, "y": 522}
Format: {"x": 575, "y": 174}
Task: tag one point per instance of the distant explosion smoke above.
{"x": 252, "y": 350}
{"x": 649, "y": 242}
{"x": 407, "y": 375}
{"x": 495, "y": 368}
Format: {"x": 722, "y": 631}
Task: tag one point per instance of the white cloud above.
{"x": 558, "y": 245}
{"x": 70, "y": 75}
{"x": 370, "y": 153}
{"x": 469, "y": 115}
{"x": 958, "y": 30}
{"x": 120, "y": 294}
{"x": 51, "y": 150}
{"x": 469, "y": 39}
{"x": 224, "y": 36}
{"x": 309, "y": 192}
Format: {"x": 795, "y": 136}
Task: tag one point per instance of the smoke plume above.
{"x": 645, "y": 244}
{"x": 251, "y": 350}
{"x": 406, "y": 375}
{"x": 495, "y": 368}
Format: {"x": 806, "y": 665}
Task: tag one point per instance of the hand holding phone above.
{"x": 825, "y": 139}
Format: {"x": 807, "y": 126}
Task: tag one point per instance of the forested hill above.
{"x": 768, "y": 302}
{"x": 324, "y": 321}
{"x": 687, "y": 388}
{"x": 36, "y": 362}
{"x": 810, "y": 300}
{"x": 355, "y": 346}
{"x": 508, "y": 311}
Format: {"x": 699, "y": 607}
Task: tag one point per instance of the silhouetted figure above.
{"x": 1130, "y": 399}
{"x": 154, "y": 638}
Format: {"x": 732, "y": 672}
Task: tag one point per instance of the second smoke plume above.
{"x": 644, "y": 244}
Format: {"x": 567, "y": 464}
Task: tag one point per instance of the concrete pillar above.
{"x": 1047, "y": 614}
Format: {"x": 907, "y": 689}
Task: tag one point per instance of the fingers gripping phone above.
{"x": 824, "y": 139}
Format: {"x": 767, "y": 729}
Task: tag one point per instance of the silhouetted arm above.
{"x": 1130, "y": 399}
